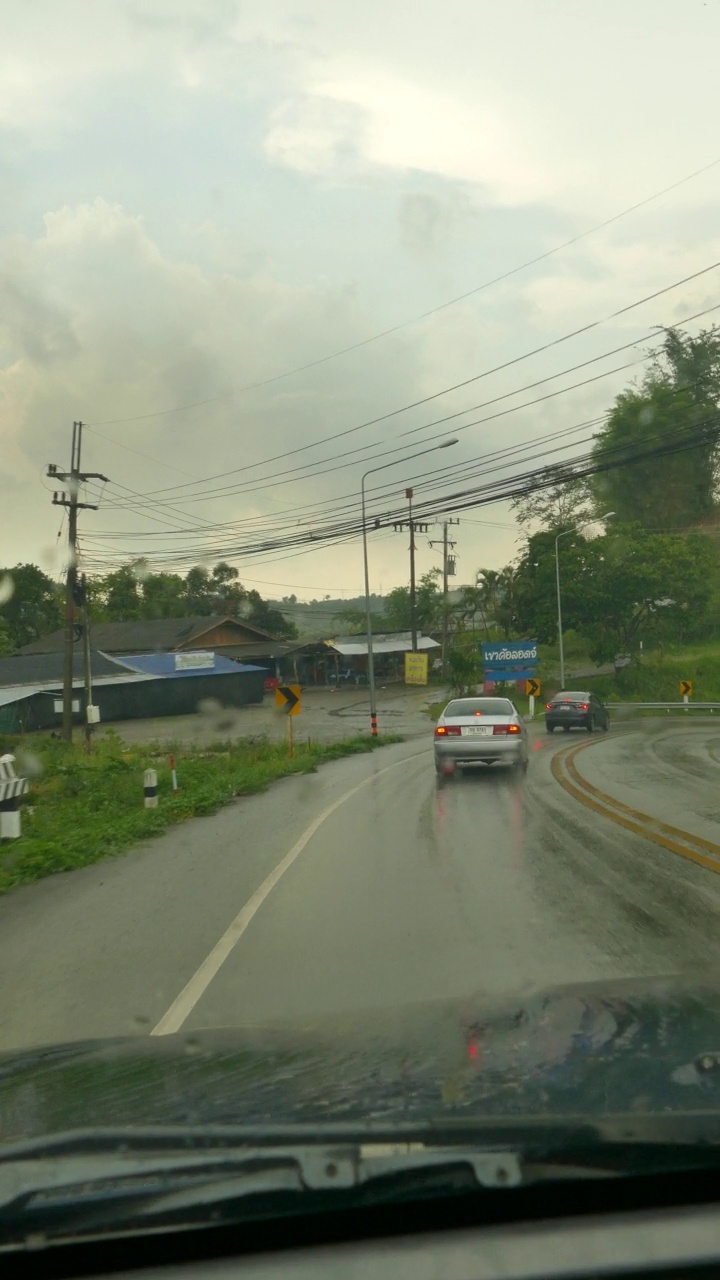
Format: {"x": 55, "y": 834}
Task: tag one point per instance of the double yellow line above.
{"x": 694, "y": 848}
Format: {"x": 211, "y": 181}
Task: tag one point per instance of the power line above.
{"x": 487, "y": 284}
{"x": 507, "y": 364}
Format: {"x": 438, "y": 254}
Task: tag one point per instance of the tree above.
{"x": 119, "y": 595}
{"x": 199, "y": 600}
{"x": 6, "y": 644}
{"x": 428, "y": 605}
{"x": 34, "y": 608}
{"x": 675, "y": 405}
{"x": 227, "y": 592}
{"x": 616, "y": 589}
{"x": 163, "y": 595}
{"x": 563, "y": 500}
{"x": 263, "y": 615}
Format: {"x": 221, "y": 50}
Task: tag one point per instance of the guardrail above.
{"x": 663, "y": 706}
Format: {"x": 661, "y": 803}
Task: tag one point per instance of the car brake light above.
{"x": 548, "y": 706}
{"x": 583, "y": 705}
{"x": 442, "y": 730}
{"x": 506, "y": 728}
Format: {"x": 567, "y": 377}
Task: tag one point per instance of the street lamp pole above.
{"x": 445, "y": 444}
{"x": 575, "y": 529}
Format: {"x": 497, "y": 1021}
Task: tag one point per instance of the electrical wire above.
{"x": 547, "y": 346}
{"x": 487, "y": 284}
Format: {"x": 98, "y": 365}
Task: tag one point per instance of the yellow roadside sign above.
{"x": 532, "y": 688}
{"x": 686, "y": 688}
{"x": 416, "y": 668}
{"x": 287, "y": 697}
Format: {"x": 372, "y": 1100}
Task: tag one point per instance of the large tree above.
{"x": 617, "y": 589}
{"x": 672, "y": 486}
{"x": 263, "y": 615}
{"x": 562, "y": 500}
{"x": 428, "y": 605}
{"x": 33, "y": 606}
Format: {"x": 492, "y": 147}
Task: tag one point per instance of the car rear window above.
{"x": 571, "y": 697}
{"x": 480, "y": 707}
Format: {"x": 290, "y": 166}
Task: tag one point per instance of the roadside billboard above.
{"x": 416, "y": 668}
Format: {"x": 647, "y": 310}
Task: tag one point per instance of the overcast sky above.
{"x": 198, "y": 195}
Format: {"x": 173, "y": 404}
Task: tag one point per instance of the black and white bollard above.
{"x": 151, "y": 789}
{"x": 11, "y": 789}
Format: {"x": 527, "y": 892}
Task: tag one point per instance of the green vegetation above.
{"x": 650, "y": 579}
{"x": 84, "y": 807}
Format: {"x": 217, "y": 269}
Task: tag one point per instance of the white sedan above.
{"x": 474, "y": 731}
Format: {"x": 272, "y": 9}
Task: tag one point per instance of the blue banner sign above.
{"x": 508, "y": 675}
{"x": 504, "y": 653}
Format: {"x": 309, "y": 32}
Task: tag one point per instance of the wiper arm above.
{"x": 96, "y": 1191}
{"x": 98, "y": 1180}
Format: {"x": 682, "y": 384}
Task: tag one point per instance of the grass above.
{"x": 84, "y": 807}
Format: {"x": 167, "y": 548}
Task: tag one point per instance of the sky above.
{"x": 202, "y": 196}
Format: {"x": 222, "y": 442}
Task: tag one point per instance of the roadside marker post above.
{"x": 686, "y": 691}
{"x": 288, "y": 699}
{"x": 173, "y": 775}
{"x": 532, "y": 690}
{"x": 150, "y": 785}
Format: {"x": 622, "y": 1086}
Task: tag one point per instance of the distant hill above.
{"x": 320, "y": 619}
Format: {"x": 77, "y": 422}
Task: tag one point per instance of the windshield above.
{"x": 360, "y": 390}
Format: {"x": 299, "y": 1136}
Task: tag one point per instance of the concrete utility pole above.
{"x": 414, "y": 528}
{"x": 73, "y": 478}
{"x": 448, "y": 571}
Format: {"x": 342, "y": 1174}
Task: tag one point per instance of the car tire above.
{"x": 566, "y": 728}
{"x": 606, "y": 725}
{"x": 550, "y": 728}
{"x": 590, "y": 724}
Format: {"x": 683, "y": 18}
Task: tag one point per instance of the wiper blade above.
{"x": 98, "y": 1191}
{"x": 105, "y": 1180}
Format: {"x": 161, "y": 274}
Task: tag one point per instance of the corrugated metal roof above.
{"x": 381, "y": 644}
{"x": 149, "y": 635}
{"x": 163, "y": 664}
{"x": 38, "y": 669}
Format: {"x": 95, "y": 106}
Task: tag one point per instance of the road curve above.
{"x": 371, "y": 884}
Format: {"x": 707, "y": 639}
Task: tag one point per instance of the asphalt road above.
{"x": 371, "y": 884}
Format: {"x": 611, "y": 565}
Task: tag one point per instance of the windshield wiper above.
{"x": 104, "y": 1180}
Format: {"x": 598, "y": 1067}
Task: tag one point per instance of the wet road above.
{"x": 371, "y": 884}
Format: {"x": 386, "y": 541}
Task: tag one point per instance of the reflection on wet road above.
{"x": 404, "y": 889}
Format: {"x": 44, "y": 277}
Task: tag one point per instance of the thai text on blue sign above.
{"x": 505, "y": 653}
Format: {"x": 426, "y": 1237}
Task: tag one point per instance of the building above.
{"x": 346, "y": 658}
{"x": 228, "y": 637}
{"x": 139, "y": 686}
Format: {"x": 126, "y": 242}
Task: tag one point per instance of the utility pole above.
{"x": 73, "y": 478}
{"x": 448, "y": 572}
{"x": 414, "y": 528}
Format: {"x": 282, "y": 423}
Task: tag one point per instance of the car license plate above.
{"x": 478, "y": 731}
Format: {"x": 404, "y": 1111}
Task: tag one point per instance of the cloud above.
{"x": 387, "y": 122}
{"x": 142, "y": 332}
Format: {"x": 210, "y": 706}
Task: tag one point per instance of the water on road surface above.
{"x": 372, "y": 884}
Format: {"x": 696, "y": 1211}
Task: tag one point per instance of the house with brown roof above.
{"x": 228, "y": 637}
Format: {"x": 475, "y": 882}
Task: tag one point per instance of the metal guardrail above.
{"x": 663, "y": 706}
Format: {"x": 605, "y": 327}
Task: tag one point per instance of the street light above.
{"x": 445, "y": 444}
{"x": 575, "y": 529}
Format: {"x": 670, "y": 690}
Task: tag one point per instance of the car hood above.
{"x": 587, "y": 1049}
